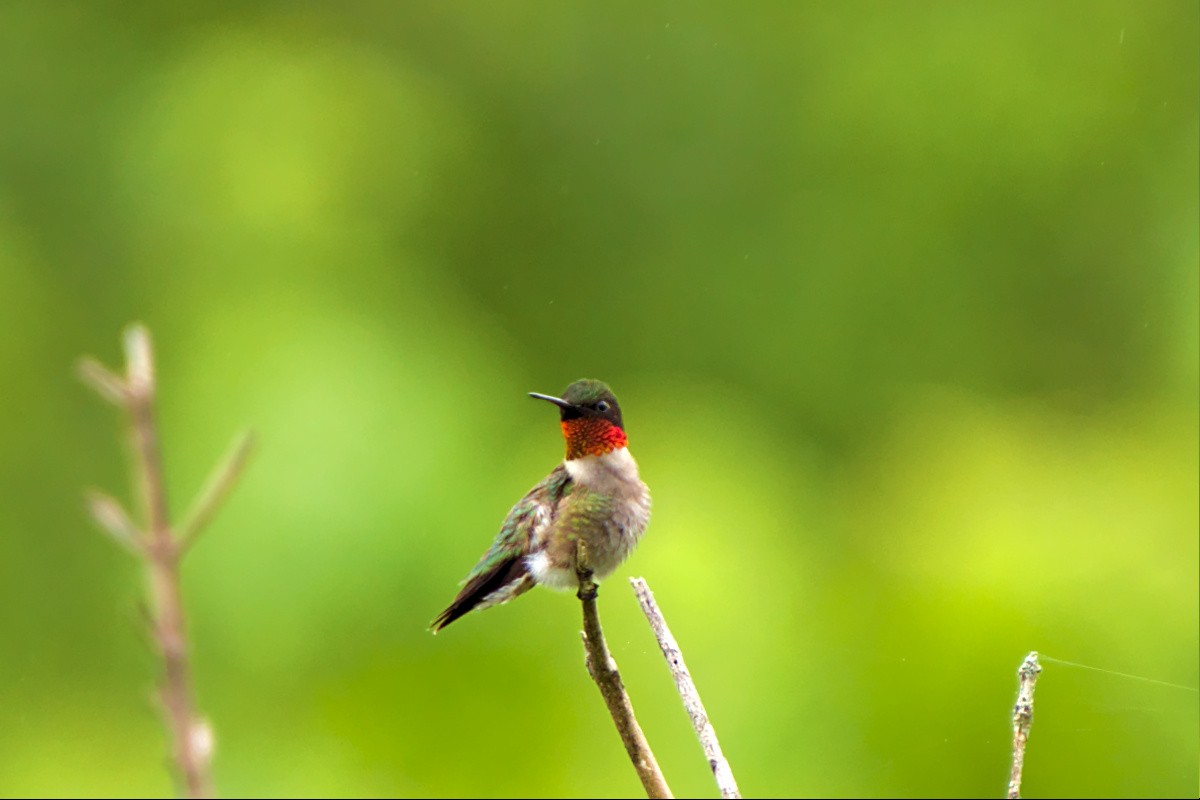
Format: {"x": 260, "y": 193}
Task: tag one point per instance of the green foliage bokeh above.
{"x": 900, "y": 300}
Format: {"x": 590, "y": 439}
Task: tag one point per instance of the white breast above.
{"x": 612, "y": 473}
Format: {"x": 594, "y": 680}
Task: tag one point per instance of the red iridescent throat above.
{"x": 591, "y": 436}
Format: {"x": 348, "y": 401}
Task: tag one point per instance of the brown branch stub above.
{"x": 603, "y": 669}
{"x": 1027, "y": 675}
{"x": 688, "y": 693}
{"x": 107, "y": 385}
{"x": 112, "y": 519}
{"x": 139, "y": 361}
{"x": 160, "y": 548}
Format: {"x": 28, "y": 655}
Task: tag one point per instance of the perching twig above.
{"x": 1027, "y": 675}
{"x": 687, "y": 691}
{"x": 161, "y": 550}
{"x": 603, "y": 669}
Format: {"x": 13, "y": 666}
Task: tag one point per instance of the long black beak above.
{"x": 558, "y": 401}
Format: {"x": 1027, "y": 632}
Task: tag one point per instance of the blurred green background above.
{"x": 900, "y": 300}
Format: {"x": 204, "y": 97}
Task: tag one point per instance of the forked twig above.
{"x": 160, "y": 549}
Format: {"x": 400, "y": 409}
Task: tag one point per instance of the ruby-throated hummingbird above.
{"x": 594, "y": 495}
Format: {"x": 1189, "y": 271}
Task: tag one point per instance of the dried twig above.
{"x": 160, "y": 548}
{"x": 687, "y": 691}
{"x": 603, "y": 669}
{"x": 1027, "y": 675}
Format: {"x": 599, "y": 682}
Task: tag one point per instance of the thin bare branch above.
{"x": 603, "y": 669}
{"x": 687, "y": 691}
{"x": 220, "y": 481}
{"x": 107, "y": 384}
{"x": 1027, "y": 675}
{"x": 112, "y": 519}
{"x": 192, "y": 739}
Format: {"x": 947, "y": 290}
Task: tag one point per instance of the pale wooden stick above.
{"x": 1027, "y": 675}
{"x": 687, "y": 691}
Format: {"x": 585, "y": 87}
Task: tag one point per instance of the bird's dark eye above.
{"x": 602, "y": 406}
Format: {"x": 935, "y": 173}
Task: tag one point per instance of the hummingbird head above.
{"x": 591, "y": 418}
